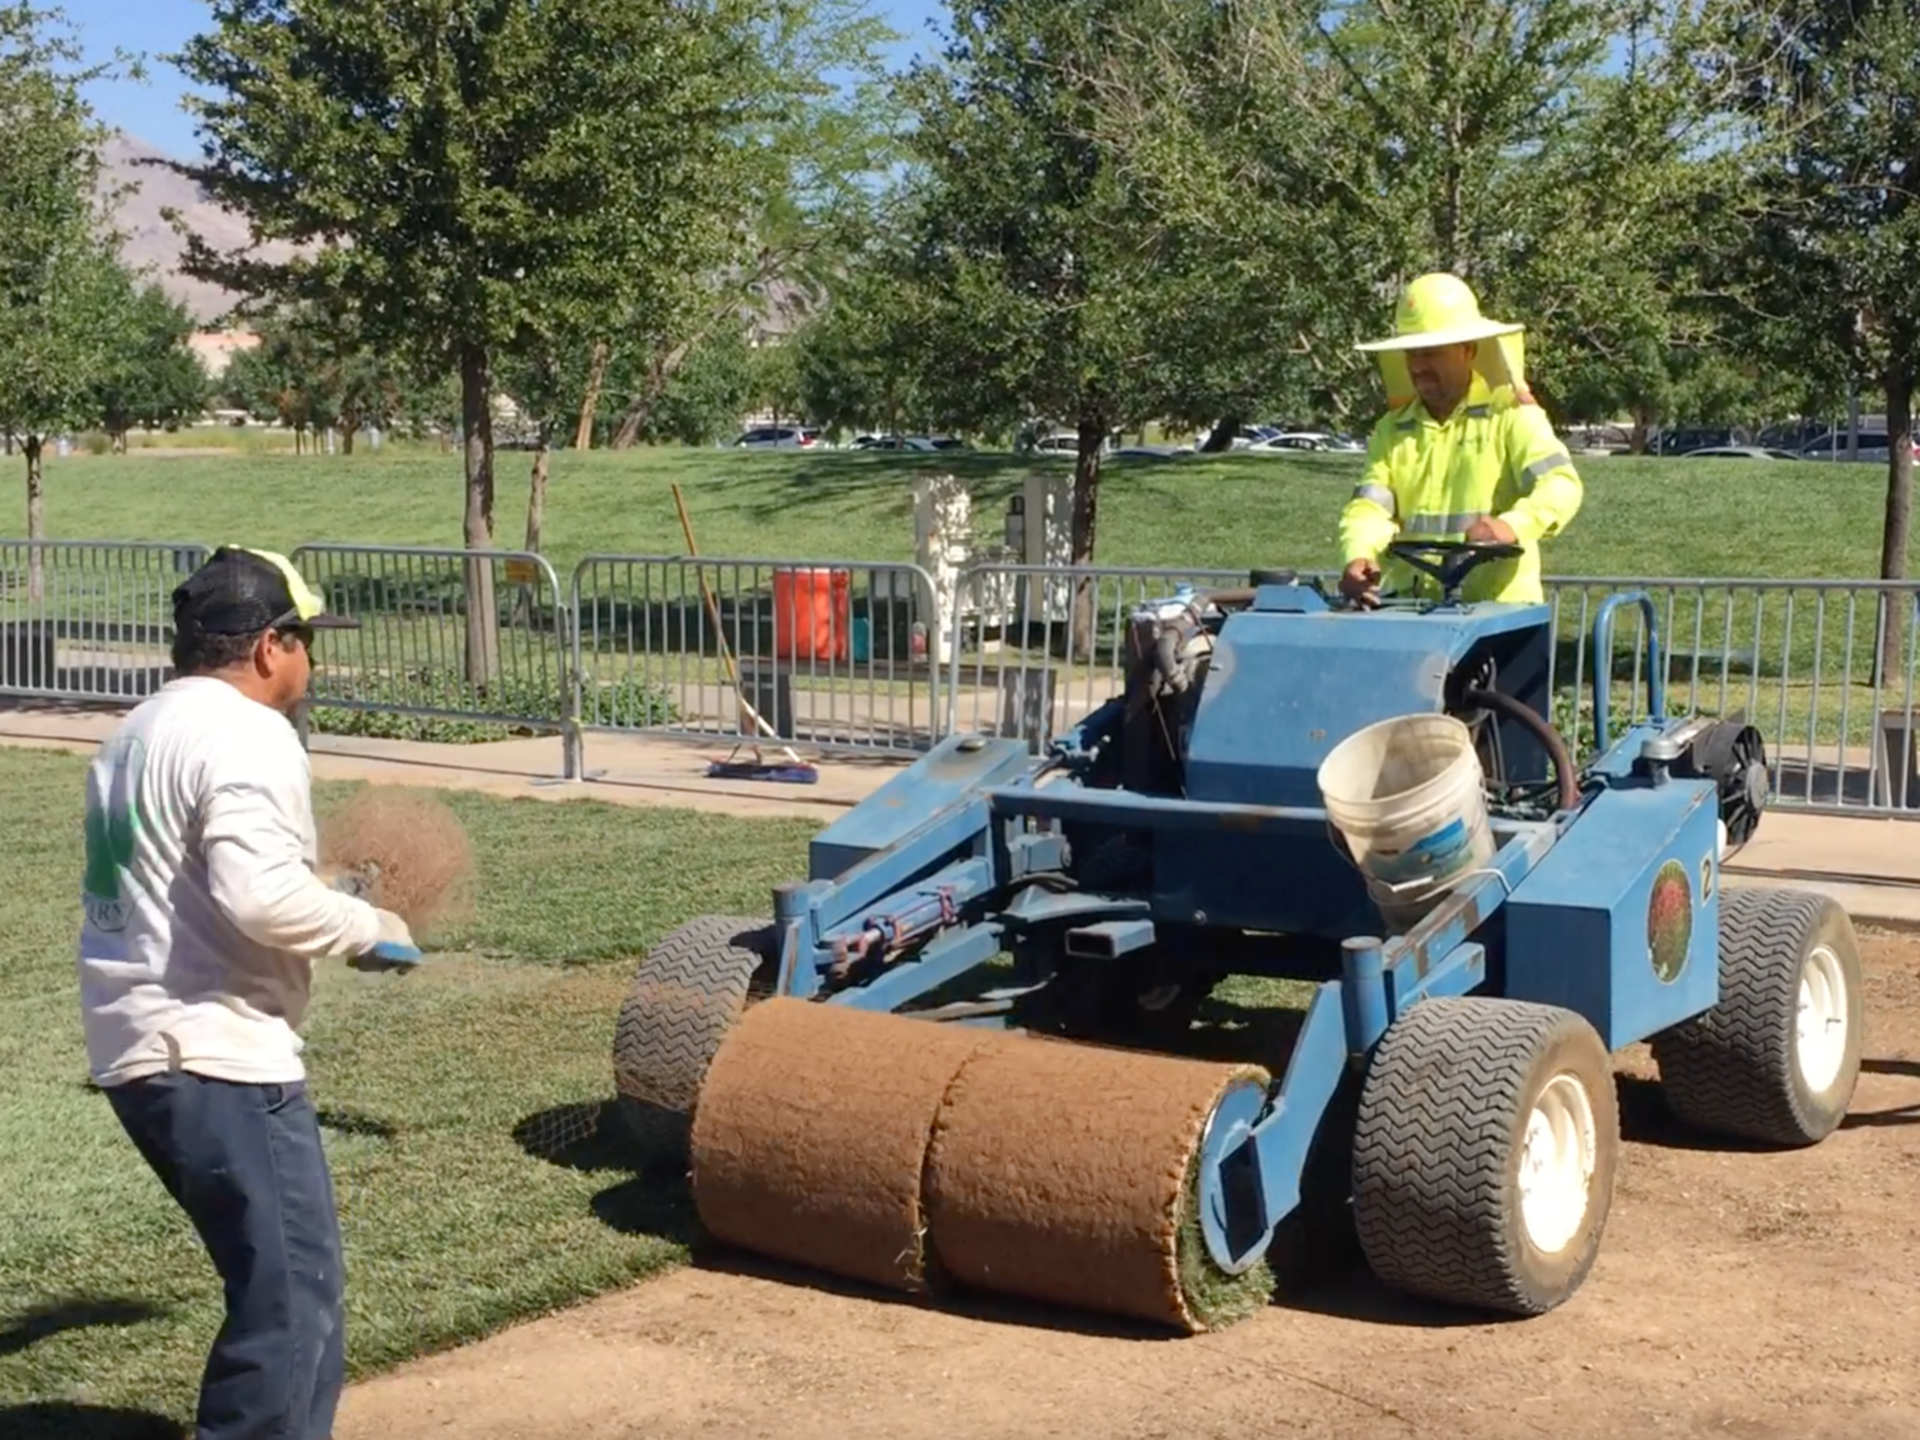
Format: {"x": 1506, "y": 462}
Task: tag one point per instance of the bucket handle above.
{"x": 1393, "y": 888}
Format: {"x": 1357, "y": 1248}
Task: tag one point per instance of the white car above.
{"x": 779, "y": 437}
{"x": 1737, "y": 452}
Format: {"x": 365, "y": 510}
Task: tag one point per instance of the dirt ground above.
{"x": 1752, "y": 1295}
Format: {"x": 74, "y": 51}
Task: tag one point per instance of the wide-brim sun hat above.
{"x": 1439, "y": 309}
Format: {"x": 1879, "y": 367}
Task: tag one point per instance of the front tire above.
{"x": 1484, "y": 1154}
{"x": 684, "y": 998}
{"x": 1776, "y": 1060}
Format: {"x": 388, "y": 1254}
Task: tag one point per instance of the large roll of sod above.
{"x": 1067, "y": 1174}
{"x": 810, "y": 1134}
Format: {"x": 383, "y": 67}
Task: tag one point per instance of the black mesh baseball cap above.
{"x": 241, "y": 591}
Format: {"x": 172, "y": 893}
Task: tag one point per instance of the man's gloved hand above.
{"x": 1360, "y": 583}
{"x": 393, "y": 950}
{"x": 1490, "y": 530}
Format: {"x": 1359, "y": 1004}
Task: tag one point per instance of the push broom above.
{"x": 794, "y": 771}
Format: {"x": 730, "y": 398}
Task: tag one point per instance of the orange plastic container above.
{"x": 812, "y": 612}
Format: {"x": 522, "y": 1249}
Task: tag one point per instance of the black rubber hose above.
{"x": 1556, "y": 747}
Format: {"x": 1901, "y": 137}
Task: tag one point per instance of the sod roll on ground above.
{"x": 810, "y": 1135}
{"x": 923, "y": 1157}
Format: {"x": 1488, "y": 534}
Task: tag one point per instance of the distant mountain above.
{"x": 774, "y": 311}
{"x": 150, "y": 239}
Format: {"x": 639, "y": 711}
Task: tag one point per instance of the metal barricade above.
{"x": 833, "y": 654}
{"x": 856, "y": 656}
{"x": 1825, "y": 669}
{"x": 479, "y": 636}
{"x": 1034, "y": 650}
{"x": 89, "y": 620}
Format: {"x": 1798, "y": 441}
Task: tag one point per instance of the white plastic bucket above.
{"x": 1406, "y": 795}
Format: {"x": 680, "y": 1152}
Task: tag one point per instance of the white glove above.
{"x": 392, "y": 949}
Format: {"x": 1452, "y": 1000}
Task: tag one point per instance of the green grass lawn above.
{"x": 453, "y": 1225}
{"x": 1642, "y": 517}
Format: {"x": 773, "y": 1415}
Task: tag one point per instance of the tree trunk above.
{"x": 1222, "y": 436}
{"x": 346, "y": 436}
{"x": 651, "y": 389}
{"x": 1895, "y": 532}
{"x": 596, "y": 377}
{"x": 1086, "y": 504}
{"x": 525, "y": 597}
{"x": 36, "y": 520}
{"x": 537, "y": 494}
{"x": 476, "y": 415}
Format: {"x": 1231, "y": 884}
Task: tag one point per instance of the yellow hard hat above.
{"x": 1439, "y": 309}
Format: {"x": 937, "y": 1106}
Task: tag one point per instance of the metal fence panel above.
{"x": 848, "y": 655}
{"x": 1034, "y": 649}
{"x": 89, "y": 620}
{"x": 425, "y": 648}
{"x": 1825, "y": 669}
{"x": 835, "y": 654}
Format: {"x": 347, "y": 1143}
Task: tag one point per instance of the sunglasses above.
{"x": 289, "y": 624}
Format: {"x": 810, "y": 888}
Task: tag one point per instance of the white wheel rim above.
{"x": 1820, "y": 1029}
{"x": 1557, "y": 1159}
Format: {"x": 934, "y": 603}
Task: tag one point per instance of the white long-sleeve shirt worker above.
{"x": 204, "y": 908}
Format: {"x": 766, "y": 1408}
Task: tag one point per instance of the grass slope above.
{"x": 1642, "y": 517}
{"x": 433, "y": 1089}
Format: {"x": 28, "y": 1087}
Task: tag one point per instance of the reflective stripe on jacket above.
{"x": 1429, "y": 479}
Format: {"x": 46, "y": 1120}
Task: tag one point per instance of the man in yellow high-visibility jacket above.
{"x": 1463, "y": 453}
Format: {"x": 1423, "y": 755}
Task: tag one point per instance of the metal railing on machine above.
{"x": 1824, "y": 669}
{"x": 89, "y": 621}
{"x": 833, "y": 654}
{"x": 474, "y": 636}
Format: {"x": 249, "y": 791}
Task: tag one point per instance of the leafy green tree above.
{"x": 61, "y": 286}
{"x": 706, "y": 397}
{"x": 1303, "y": 161}
{"x": 810, "y": 162}
{"x": 153, "y": 377}
{"x": 1831, "y": 93}
{"x": 1032, "y": 273}
{"x": 477, "y": 177}
{"x": 849, "y": 373}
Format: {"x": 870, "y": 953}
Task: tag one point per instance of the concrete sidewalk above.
{"x": 621, "y": 769}
{"x": 1872, "y": 866}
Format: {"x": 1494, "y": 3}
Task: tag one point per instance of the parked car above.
{"x": 1739, "y": 452}
{"x": 779, "y": 437}
{"x": 908, "y": 442}
{"x": 1874, "y": 445}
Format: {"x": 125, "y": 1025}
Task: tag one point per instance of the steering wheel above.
{"x": 1458, "y": 558}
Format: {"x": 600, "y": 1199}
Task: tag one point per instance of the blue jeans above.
{"x": 245, "y": 1163}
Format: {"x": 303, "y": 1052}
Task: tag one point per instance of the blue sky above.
{"x": 151, "y": 110}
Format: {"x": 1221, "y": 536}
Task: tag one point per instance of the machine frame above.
{"x": 1121, "y": 908}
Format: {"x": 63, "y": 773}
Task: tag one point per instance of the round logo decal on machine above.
{"x": 1670, "y": 921}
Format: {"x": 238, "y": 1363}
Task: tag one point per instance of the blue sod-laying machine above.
{"x": 1372, "y": 801}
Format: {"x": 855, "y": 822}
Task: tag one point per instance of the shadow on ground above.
{"x": 590, "y": 1137}
{"x": 1647, "y": 1119}
{"x": 1908, "y": 1114}
{"x": 354, "y": 1122}
{"x": 62, "y": 1420}
{"x": 84, "y": 1312}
